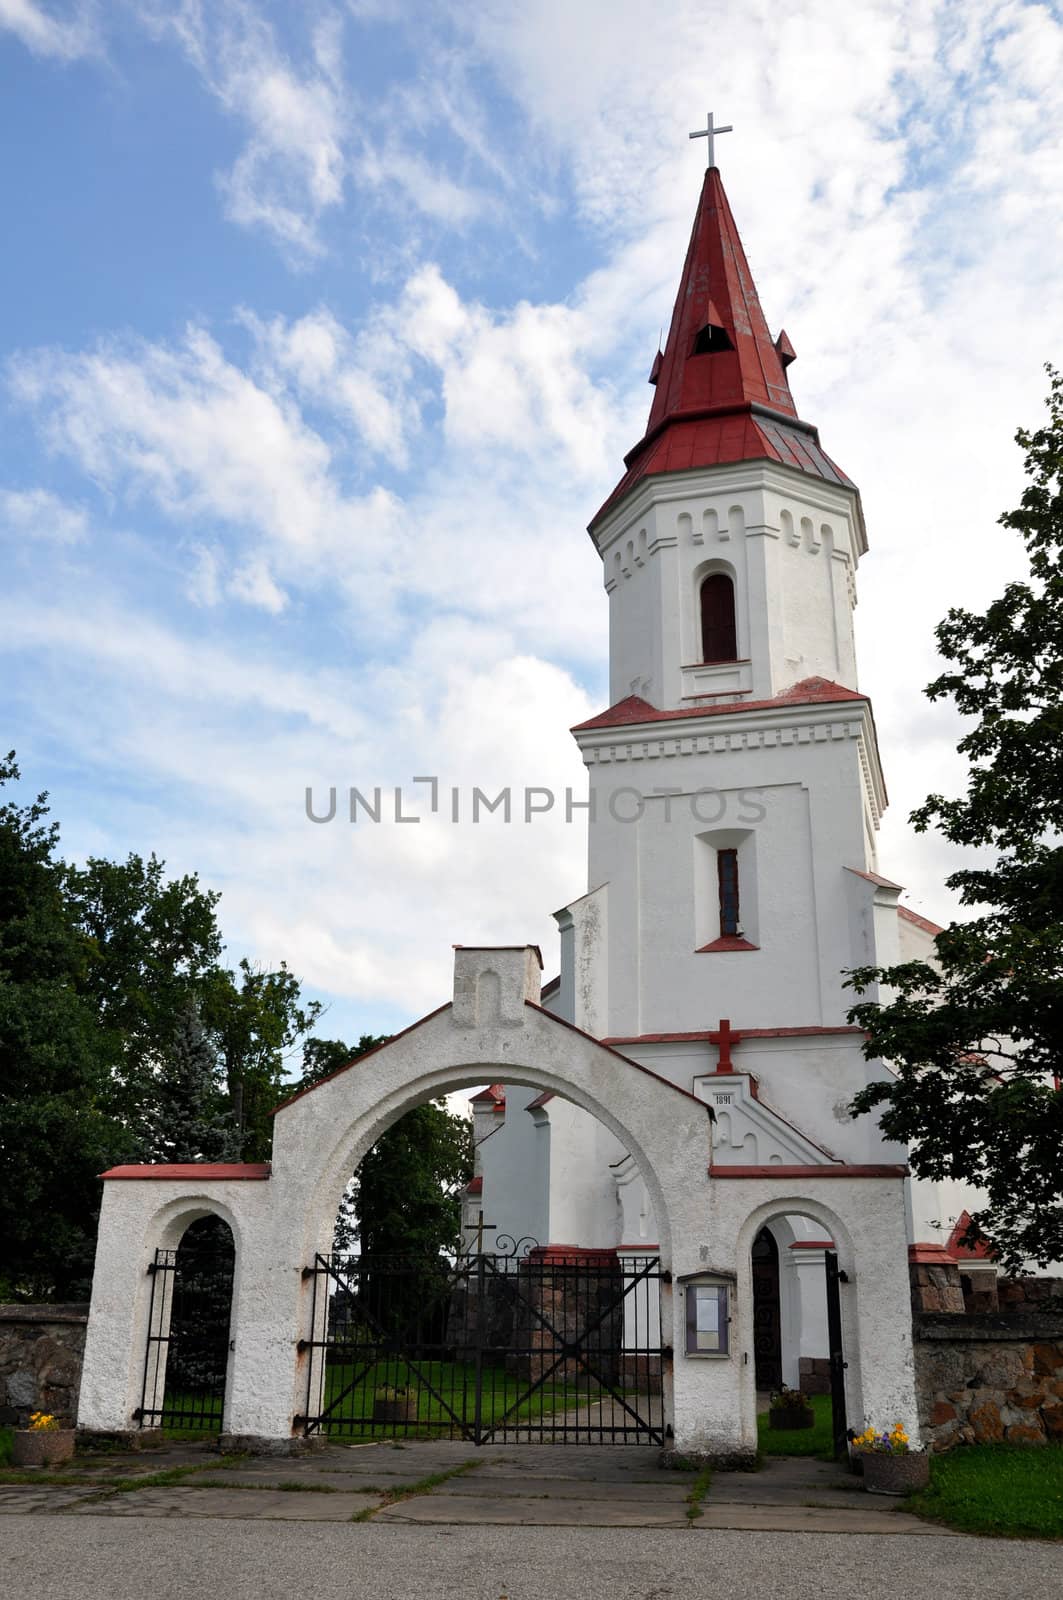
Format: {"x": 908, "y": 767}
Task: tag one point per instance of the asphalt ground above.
{"x": 504, "y": 1523}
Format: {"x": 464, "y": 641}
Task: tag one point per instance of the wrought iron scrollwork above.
{"x": 512, "y": 1249}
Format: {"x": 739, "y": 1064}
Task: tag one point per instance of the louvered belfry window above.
{"x": 718, "y": 637}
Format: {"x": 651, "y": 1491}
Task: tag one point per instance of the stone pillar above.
{"x": 935, "y": 1279}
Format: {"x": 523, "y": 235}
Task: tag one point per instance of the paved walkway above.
{"x": 451, "y": 1485}
{"x": 448, "y": 1522}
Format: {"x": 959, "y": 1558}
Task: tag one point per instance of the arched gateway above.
{"x": 282, "y": 1215}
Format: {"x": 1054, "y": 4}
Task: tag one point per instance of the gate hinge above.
{"x": 308, "y": 1272}
{"x": 666, "y": 1277}
{"x": 303, "y": 1346}
{"x": 667, "y": 1353}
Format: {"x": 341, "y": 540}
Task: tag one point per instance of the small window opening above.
{"x": 727, "y": 870}
{"x": 719, "y": 641}
{"x": 711, "y": 339}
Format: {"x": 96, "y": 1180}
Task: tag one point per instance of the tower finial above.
{"x": 709, "y": 132}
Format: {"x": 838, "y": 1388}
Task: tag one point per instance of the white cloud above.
{"x": 290, "y": 172}
{"x": 225, "y": 743}
{"x": 48, "y": 35}
{"x": 254, "y": 583}
{"x": 896, "y": 179}
{"x": 366, "y": 381}
{"x": 39, "y": 514}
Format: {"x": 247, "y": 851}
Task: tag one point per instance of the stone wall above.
{"x": 983, "y": 1377}
{"x": 41, "y": 1349}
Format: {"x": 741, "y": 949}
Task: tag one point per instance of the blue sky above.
{"x": 324, "y": 330}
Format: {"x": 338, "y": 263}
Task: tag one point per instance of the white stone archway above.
{"x": 495, "y": 1030}
{"x": 283, "y": 1214}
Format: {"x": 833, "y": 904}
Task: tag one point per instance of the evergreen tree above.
{"x": 187, "y": 1117}
{"x": 56, "y": 1130}
{"x": 976, "y": 1039}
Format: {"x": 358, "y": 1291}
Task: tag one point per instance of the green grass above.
{"x": 406, "y": 1491}
{"x": 815, "y": 1441}
{"x": 6, "y": 1435}
{"x": 1012, "y": 1491}
{"x": 455, "y": 1382}
{"x": 698, "y": 1490}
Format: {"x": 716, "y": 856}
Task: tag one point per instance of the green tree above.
{"x": 56, "y": 1130}
{"x": 258, "y": 1020}
{"x": 410, "y": 1182}
{"x": 976, "y": 1039}
{"x": 151, "y": 944}
{"x": 405, "y": 1198}
{"x": 188, "y": 1117}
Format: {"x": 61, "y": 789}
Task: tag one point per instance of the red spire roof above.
{"x": 722, "y": 393}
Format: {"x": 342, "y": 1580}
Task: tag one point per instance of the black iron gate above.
{"x": 187, "y": 1351}
{"x": 537, "y": 1344}
{"x": 839, "y": 1424}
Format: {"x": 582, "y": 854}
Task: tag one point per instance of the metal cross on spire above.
{"x": 710, "y": 133}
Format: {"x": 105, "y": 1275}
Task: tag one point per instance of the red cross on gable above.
{"x": 724, "y": 1038}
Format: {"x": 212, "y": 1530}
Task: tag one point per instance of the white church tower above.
{"x": 735, "y": 793}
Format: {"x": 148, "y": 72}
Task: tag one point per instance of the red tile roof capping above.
{"x": 919, "y": 922}
{"x": 839, "y": 1171}
{"x": 633, "y": 710}
{"x": 746, "y": 1033}
{"x": 495, "y": 1092}
{"x": 192, "y": 1171}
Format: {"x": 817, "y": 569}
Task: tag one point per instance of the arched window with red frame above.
{"x": 719, "y": 639}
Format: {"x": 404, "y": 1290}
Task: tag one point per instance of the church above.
{"x": 679, "y": 1094}
{"x": 736, "y": 790}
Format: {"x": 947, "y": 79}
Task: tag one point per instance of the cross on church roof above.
{"x": 725, "y": 1038}
{"x": 709, "y": 132}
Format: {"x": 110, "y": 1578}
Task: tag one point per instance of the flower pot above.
{"x": 42, "y": 1447}
{"x": 402, "y": 1410}
{"x": 890, "y": 1474}
{"x": 790, "y": 1417}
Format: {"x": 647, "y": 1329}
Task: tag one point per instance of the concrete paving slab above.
{"x": 806, "y": 1519}
{"x": 792, "y": 1483}
{"x": 326, "y": 1482}
{"x": 483, "y": 1486}
{"x": 455, "y": 1510}
{"x": 34, "y": 1499}
{"x": 268, "y": 1504}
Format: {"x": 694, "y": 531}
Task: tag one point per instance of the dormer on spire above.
{"x": 721, "y": 390}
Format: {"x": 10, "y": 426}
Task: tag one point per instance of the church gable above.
{"x": 748, "y": 1132}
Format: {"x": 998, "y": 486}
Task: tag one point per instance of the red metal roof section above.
{"x": 839, "y": 1171}
{"x": 981, "y": 1250}
{"x": 717, "y": 291}
{"x": 184, "y": 1171}
{"x": 720, "y": 388}
{"x": 705, "y": 1035}
{"x": 918, "y": 921}
{"x": 495, "y": 1093}
{"x": 633, "y": 709}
